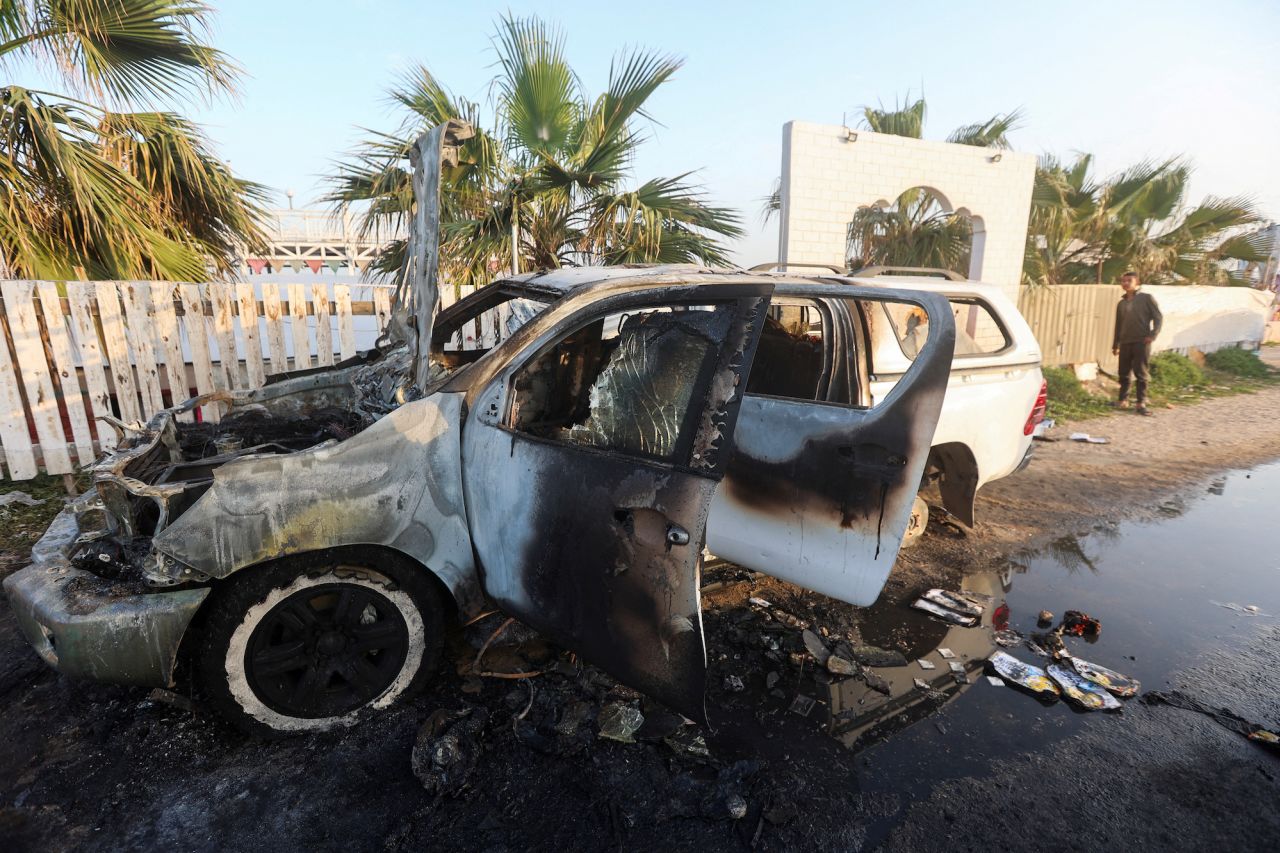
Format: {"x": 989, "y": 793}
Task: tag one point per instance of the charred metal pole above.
{"x": 418, "y": 294}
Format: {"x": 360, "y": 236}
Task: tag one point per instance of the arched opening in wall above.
{"x": 920, "y": 228}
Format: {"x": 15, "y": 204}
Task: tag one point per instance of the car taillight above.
{"x": 1038, "y": 410}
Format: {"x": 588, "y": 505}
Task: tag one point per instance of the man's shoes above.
{"x": 1144, "y": 411}
{"x": 1122, "y": 404}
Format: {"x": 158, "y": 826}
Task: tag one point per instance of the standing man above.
{"x": 1138, "y": 322}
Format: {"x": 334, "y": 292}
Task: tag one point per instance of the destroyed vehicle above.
{"x": 308, "y": 549}
{"x": 315, "y": 538}
{"x": 996, "y": 395}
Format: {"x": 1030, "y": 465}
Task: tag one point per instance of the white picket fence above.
{"x": 75, "y": 352}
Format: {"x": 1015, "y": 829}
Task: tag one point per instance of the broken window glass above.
{"x": 791, "y": 357}
{"x": 632, "y": 383}
{"x": 978, "y": 332}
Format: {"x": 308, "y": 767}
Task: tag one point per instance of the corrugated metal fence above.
{"x": 72, "y": 353}
{"x": 1073, "y": 323}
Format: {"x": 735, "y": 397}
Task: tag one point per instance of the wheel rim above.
{"x": 326, "y": 650}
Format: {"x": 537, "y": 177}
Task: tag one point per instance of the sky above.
{"x": 1124, "y": 81}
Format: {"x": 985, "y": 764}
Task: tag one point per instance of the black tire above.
{"x": 314, "y": 642}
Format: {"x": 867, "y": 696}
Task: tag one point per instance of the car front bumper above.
{"x": 89, "y": 627}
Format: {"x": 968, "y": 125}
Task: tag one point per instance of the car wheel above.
{"x": 917, "y": 523}
{"x": 300, "y": 646}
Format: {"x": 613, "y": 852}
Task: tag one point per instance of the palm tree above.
{"x": 1082, "y": 230}
{"x": 101, "y": 183}
{"x": 915, "y": 230}
{"x": 548, "y": 185}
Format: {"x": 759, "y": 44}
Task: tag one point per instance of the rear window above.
{"x": 978, "y": 332}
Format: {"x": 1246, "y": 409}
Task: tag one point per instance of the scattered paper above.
{"x": 1089, "y": 439}
{"x": 947, "y": 653}
{"x": 956, "y": 666}
{"x": 926, "y": 664}
{"x": 995, "y": 681}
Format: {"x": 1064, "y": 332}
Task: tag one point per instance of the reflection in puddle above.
{"x": 861, "y": 714}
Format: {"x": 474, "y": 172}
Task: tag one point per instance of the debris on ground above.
{"x": 619, "y": 721}
{"x": 1045, "y": 619}
{"x": 1080, "y": 690}
{"x": 802, "y": 705}
{"x": 946, "y": 653}
{"x": 926, "y": 664}
{"x": 816, "y": 647}
{"x": 1008, "y": 638}
{"x": 1080, "y": 624}
{"x": 958, "y": 608}
{"x": 876, "y": 656}
{"x": 1247, "y": 609}
{"x": 8, "y": 499}
{"x": 1048, "y": 644}
{"x": 1119, "y": 685}
{"x": 1085, "y": 438}
{"x": 877, "y": 683}
{"x": 995, "y": 681}
{"x": 1177, "y": 699}
{"x": 446, "y": 749}
{"x": 837, "y": 665}
{"x": 920, "y": 683}
{"x": 734, "y": 684}
{"x": 759, "y": 602}
{"x": 958, "y": 601}
{"x": 1025, "y": 675}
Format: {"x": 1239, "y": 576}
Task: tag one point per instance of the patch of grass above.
{"x": 1068, "y": 399}
{"x": 20, "y": 525}
{"x": 1171, "y": 371}
{"x": 1237, "y": 362}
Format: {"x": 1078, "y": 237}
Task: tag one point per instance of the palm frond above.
{"x": 992, "y": 133}
{"x": 131, "y": 51}
{"x": 537, "y": 88}
{"x": 905, "y": 119}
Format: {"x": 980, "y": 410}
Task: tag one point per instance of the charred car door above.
{"x": 589, "y": 466}
{"x": 820, "y": 484}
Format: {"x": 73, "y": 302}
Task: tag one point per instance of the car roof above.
{"x": 557, "y": 283}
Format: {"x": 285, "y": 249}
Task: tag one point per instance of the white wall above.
{"x": 829, "y": 171}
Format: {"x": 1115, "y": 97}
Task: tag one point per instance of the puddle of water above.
{"x": 1153, "y": 587}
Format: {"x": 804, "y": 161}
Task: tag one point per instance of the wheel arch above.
{"x": 957, "y": 478}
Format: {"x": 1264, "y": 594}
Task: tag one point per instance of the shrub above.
{"x": 1237, "y": 362}
{"x": 1064, "y": 387}
{"x": 1171, "y": 371}
{"x": 1067, "y": 397}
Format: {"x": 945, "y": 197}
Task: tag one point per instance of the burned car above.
{"x": 309, "y": 548}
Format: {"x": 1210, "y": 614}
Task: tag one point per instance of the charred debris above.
{"x": 157, "y": 471}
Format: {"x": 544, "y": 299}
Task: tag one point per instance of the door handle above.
{"x": 677, "y": 535}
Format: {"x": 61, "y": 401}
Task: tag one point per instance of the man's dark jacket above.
{"x": 1137, "y": 318}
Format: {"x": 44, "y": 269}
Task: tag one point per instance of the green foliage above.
{"x": 915, "y": 231}
{"x": 554, "y": 170}
{"x": 1237, "y": 362}
{"x": 1171, "y": 371}
{"x": 21, "y": 525}
{"x": 101, "y": 183}
{"x": 1083, "y": 230}
{"x": 1068, "y": 399}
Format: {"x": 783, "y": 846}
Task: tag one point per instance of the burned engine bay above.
{"x": 158, "y": 471}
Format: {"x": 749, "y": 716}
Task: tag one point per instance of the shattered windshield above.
{"x": 624, "y": 382}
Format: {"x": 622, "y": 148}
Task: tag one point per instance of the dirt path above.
{"x": 1071, "y": 486}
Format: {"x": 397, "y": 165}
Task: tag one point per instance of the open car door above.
{"x": 589, "y": 464}
{"x": 819, "y": 491}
